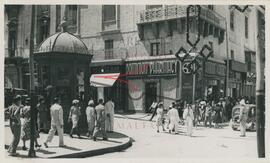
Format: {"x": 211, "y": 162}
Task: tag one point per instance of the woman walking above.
{"x": 217, "y": 117}
{"x": 74, "y": 114}
{"x": 25, "y": 114}
{"x": 91, "y": 117}
{"x": 160, "y": 115}
{"x": 174, "y": 119}
{"x": 42, "y": 115}
{"x": 188, "y": 116}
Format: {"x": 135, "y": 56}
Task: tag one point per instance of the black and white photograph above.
{"x": 148, "y": 80}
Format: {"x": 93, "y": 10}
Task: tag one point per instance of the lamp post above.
{"x": 32, "y": 152}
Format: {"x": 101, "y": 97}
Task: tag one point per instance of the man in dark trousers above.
{"x": 153, "y": 108}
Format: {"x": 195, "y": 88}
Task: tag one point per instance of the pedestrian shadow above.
{"x": 45, "y": 151}
{"x": 114, "y": 141}
{"x": 116, "y": 135}
{"x": 71, "y": 148}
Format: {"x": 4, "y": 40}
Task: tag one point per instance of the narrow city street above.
{"x": 206, "y": 143}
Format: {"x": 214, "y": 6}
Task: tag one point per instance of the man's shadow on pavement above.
{"x": 116, "y": 135}
{"x": 66, "y": 147}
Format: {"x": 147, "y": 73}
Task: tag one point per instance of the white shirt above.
{"x": 56, "y": 114}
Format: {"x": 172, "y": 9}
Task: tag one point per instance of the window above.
{"x": 43, "y": 24}
{"x": 108, "y": 49}
{"x": 72, "y": 14}
{"x": 153, "y": 6}
{"x": 232, "y": 20}
{"x": 248, "y": 60}
{"x": 210, "y": 7}
{"x": 232, "y": 54}
{"x": 211, "y": 46}
{"x": 246, "y": 26}
{"x": 12, "y": 44}
{"x": 155, "y": 48}
{"x": 109, "y": 12}
{"x": 110, "y": 17}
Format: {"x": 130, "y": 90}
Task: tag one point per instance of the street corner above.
{"x": 77, "y": 148}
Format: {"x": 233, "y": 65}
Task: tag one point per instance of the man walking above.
{"x": 15, "y": 124}
{"x": 56, "y": 123}
{"x": 153, "y": 108}
{"x": 100, "y": 123}
{"x": 243, "y": 118}
{"x": 109, "y": 111}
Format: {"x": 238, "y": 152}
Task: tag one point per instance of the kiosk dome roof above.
{"x": 63, "y": 42}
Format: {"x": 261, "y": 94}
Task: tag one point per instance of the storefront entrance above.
{"x": 150, "y": 95}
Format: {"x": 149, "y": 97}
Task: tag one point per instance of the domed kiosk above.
{"x": 63, "y": 64}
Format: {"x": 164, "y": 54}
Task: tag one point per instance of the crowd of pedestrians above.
{"x": 200, "y": 113}
{"x": 100, "y": 119}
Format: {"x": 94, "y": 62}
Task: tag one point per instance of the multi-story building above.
{"x": 139, "y": 42}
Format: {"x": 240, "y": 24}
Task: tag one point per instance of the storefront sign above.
{"x": 152, "y": 68}
{"x": 215, "y": 68}
{"x": 212, "y": 82}
{"x": 238, "y": 66}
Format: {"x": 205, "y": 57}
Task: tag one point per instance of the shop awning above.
{"x": 103, "y": 80}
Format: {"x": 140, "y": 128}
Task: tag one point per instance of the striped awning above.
{"x": 103, "y": 80}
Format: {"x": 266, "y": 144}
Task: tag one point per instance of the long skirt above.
{"x": 26, "y": 131}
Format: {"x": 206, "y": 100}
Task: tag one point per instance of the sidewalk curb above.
{"x": 126, "y": 117}
{"x": 97, "y": 151}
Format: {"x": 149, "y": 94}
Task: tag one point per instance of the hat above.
{"x": 90, "y": 102}
{"x": 242, "y": 102}
{"x": 75, "y": 101}
{"x": 160, "y": 103}
{"x": 17, "y": 97}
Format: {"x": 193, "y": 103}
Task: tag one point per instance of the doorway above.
{"x": 150, "y": 95}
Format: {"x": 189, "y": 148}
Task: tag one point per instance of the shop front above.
{"x": 215, "y": 73}
{"x": 153, "y": 79}
{"x": 107, "y": 81}
{"x": 237, "y": 77}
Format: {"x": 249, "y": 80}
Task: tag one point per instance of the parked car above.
{"x": 251, "y": 121}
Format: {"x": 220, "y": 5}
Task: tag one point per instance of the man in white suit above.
{"x": 56, "y": 123}
{"x": 109, "y": 112}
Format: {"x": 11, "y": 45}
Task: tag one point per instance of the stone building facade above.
{"x": 138, "y": 41}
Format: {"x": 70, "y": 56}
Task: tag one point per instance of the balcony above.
{"x": 175, "y": 11}
{"x": 18, "y": 52}
{"x": 110, "y": 54}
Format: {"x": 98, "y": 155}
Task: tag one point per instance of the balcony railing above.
{"x": 99, "y": 55}
{"x": 175, "y": 11}
{"x": 18, "y": 52}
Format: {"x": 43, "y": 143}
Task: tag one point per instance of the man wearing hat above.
{"x": 243, "y": 117}
{"x": 15, "y": 124}
{"x": 74, "y": 115}
{"x": 100, "y": 124}
{"x": 57, "y": 123}
{"x": 91, "y": 117}
{"x": 109, "y": 111}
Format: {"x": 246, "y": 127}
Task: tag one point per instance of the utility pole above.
{"x": 260, "y": 85}
{"x": 32, "y": 152}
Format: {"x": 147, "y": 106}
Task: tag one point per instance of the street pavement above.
{"x": 205, "y": 143}
{"x": 75, "y": 148}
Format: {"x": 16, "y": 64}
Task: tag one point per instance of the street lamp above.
{"x": 32, "y": 152}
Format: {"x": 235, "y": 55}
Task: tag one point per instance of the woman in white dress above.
{"x": 174, "y": 119}
{"x": 160, "y": 116}
{"x": 188, "y": 116}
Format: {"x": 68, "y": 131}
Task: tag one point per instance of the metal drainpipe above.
{"x": 227, "y": 59}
